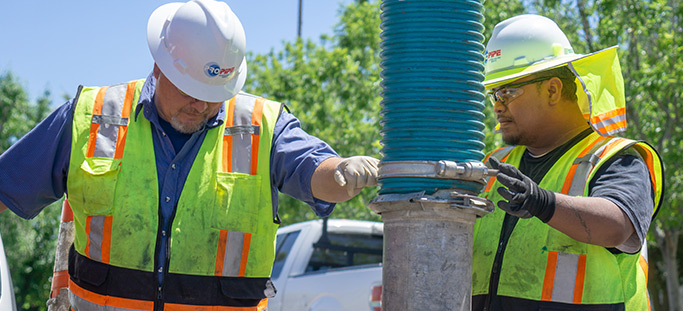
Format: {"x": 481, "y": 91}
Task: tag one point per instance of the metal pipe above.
{"x": 431, "y": 171}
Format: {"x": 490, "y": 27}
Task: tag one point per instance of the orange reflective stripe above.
{"x": 106, "y": 239}
{"x": 549, "y": 280}
{"x": 611, "y": 146}
{"x": 220, "y": 253}
{"x": 98, "y": 245}
{"x": 125, "y": 113}
{"x": 612, "y": 127}
{"x": 643, "y": 265}
{"x": 60, "y": 279}
{"x": 87, "y": 234}
{"x": 256, "y": 116}
{"x": 649, "y": 161}
{"x": 608, "y": 115}
{"x": 580, "y": 278}
{"x": 94, "y": 127}
{"x": 245, "y": 254}
{"x": 227, "y": 139}
{"x": 104, "y": 300}
{"x": 492, "y": 179}
{"x": 180, "y": 307}
{"x": 67, "y": 213}
{"x": 572, "y": 170}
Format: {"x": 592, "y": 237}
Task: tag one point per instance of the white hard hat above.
{"x": 522, "y": 44}
{"x": 199, "y": 46}
{"x": 528, "y": 44}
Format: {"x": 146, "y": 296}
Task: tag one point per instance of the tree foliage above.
{"x": 29, "y": 245}
{"x": 333, "y": 88}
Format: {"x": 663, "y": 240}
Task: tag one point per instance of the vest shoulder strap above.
{"x": 243, "y": 122}
{"x": 110, "y": 117}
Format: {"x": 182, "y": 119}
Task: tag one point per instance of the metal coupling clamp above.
{"x": 442, "y": 169}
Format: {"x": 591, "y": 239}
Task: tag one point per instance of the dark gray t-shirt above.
{"x": 624, "y": 180}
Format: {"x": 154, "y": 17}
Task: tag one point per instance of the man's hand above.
{"x": 524, "y": 197}
{"x": 356, "y": 172}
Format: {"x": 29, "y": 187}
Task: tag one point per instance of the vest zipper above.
{"x": 508, "y": 225}
{"x": 163, "y": 233}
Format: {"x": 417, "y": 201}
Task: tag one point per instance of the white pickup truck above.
{"x": 328, "y": 266}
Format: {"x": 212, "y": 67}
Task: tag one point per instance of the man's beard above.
{"x": 512, "y": 140}
{"x": 186, "y": 128}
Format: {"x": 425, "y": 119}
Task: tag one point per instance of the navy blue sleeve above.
{"x": 33, "y": 170}
{"x": 294, "y": 157}
{"x": 625, "y": 180}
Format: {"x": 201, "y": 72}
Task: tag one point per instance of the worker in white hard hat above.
{"x": 574, "y": 201}
{"x": 173, "y": 179}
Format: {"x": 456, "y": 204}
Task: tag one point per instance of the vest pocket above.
{"x": 96, "y": 185}
{"x": 238, "y": 198}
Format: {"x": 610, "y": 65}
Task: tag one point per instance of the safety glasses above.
{"x": 506, "y": 94}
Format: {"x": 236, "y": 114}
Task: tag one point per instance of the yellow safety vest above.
{"x": 543, "y": 264}
{"x": 222, "y": 239}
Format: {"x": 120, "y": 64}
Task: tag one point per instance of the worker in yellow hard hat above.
{"x": 574, "y": 202}
{"x": 173, "y": 180}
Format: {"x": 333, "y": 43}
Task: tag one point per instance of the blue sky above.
{"x": 58, "y": 45}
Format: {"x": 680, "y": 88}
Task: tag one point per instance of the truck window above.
{"x": 284, "y": 245}
{"x": 344, "y": 250}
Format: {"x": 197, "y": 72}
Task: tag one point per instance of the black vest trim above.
{"x": 127, "y": 283}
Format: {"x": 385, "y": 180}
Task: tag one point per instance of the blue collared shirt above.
{"x": 33, "y": 172}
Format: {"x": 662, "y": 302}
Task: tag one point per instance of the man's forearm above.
{"x": 3, "y": 207}
{"x": 323, "y": 185}
{"x": 591, "y": 220}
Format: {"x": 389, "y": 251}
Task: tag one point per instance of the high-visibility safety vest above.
{"x": 222, "y": 240}
{"x": 543, "y": 264}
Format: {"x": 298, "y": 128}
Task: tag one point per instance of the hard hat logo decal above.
{"x": 491, "y": 56}
{"x": 214, "y": 70}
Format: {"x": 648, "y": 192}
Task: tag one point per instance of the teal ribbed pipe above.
{"x": 432, "y": 92}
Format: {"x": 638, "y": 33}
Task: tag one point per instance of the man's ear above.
{"x": 156, "y": 71}
{"x": 554, "y": 90}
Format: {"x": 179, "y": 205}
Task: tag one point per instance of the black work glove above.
{"x": 524, "y": 197}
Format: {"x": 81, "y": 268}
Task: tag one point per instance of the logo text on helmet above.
{"x": 214, "y": 70}
{"x": 491, "y": 54}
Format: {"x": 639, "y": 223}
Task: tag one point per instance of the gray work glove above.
{"x": 525, "y": 198}
{"x": 357, "y": 172}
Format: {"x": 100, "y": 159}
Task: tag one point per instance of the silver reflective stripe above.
{"x": 112, "y": 105}
{"x": 643, "y": 251}
{"x": 234, "y": 245}
{"x": 95, "y": 237}
{"x": 501, "y": 153}
{"x": 565, "y": 277}
{"x": 243, "y": 129}
{"x": 610, "y": 121}
{"x": 80, "y": 304}
{"x": 241, "y": 142}
{"x": 585, "y": 167}
{"x": 109, "y": 120}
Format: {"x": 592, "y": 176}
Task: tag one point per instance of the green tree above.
{"x": 333, "y": 88}
{"x": 29, "y": 245}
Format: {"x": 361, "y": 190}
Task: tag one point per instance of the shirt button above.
{"x": 161, "y": 269}
{"x": 168, "y": 199}
{"x": 163, "y": 232}
{"x": 173, "y": 166}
